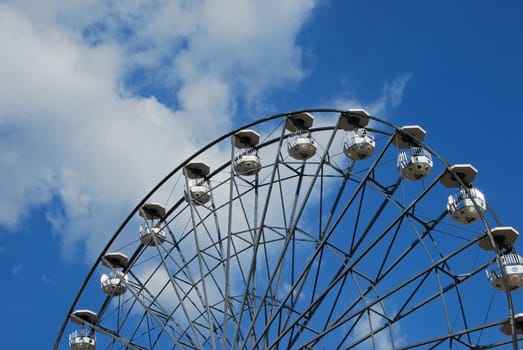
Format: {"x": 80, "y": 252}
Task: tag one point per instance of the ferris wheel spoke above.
{"x": 320, "y": 246}
{"x": 232, "y": 244}
{"x": 291, "y": 257}
{"x": 203, "y": 280}
{"x": 384, "y": 272}
{"x": 142, "y": 290}
{"x": 121, "y": 323}
{"x": 343, "y": 320}
{"x": 279, "y": 265}
{"x": 394, "y": 223}
{"x": 263, "y": 254}
{"x": 370, "y": 312}
{"x": 268, "y": 307}
{"x": 320, "y": 225}
{"x": 222, "y": 264}
{"x": 327, "y": 229}
{"x": 452, "y": 286}
{"x": 447, "y": 288}
{"x": 178, "y": 290}
{"x": 361, "y": 188}
{"x": 191, "y": 280}
{"x": 226, "y": 304}
{"x": 140, "y": 294}
{"x": 296, "y": 331}
{"x": 156, "y": 307}
{"x": 351, "y": 313}
{"x": 455, "y": 335}
{"x": 434, "y": 267}
{"x": 355, "y": 246}
{"x": 257, "y": 242}
{"x": 357, "y": 218}
{"x": 118, "y": 338}
{"x": 250, "y": 229}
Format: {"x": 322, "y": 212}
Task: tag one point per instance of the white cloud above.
{"x": 388, "y": 338}
{"x": 48, "y": 280}
{"x": 75, "y": 135}
{"x": 250, "y": 44}
{"x": 16, "y": 270}
{"x": 391, "y": 97}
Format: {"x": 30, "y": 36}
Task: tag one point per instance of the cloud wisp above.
{"x": 390, "y": 98}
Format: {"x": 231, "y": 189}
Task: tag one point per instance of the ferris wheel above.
{"x": 313, "y": 229}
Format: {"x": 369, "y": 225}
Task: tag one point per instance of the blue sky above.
{"x": 95, "y": 97}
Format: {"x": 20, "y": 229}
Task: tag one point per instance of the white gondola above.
{"x": 198, "y": 191}
{"x": 415, "y": 164}
{"x": 115, "y": 282}
{"x": 84, "y": 338}
{"x": 301, "y": 145}
{"x": 359, "y": 144}
{"x": 248, "y": 162}
{"x": 152, "y": 234}
{"x": 512, "y": 265}
{"x": 467, "y": 205}
{"x": 508, "y": 275}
